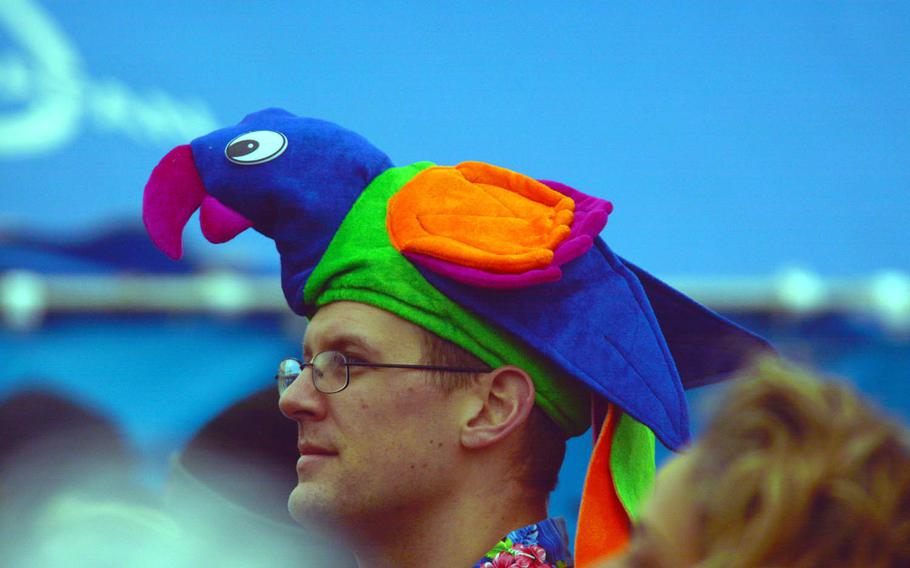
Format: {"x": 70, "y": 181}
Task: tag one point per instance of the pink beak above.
{"x": 173, "y": 193}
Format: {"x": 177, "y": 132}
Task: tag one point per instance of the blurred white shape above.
{"x": 890, "y": 295}
{"x": 225, "y": 292}
{"x": 49, "y": 95}
{"x": 77, "y": 524}
{"x": 800, "y": 290}
{"x": 52, "y": 95}
{"x": 77, "y": 531}
{"x": 23, "y": 299}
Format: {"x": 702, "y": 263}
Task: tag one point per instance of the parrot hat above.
{"x": 508, "y": 267}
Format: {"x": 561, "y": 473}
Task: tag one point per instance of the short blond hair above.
{"x": 543, "y": 450}
{"x": 798, "y": 471}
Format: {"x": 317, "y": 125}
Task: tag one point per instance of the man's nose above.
{"x": 301, "y": 400}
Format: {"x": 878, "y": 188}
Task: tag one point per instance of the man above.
{"x": 395, "y": 459}
{"x": 459, "y": 316}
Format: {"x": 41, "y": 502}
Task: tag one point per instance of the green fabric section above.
{"x": 632, "y": 463}
{"x": 361, "y": 265}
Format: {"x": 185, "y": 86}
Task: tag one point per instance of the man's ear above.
{"x": 504, "y": 399}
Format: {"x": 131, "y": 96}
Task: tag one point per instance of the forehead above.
{"x": 354, "y": 322}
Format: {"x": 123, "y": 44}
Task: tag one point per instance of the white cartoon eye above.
{"x": 256, "y": 147}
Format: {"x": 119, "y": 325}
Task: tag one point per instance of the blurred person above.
{"x": 56, "y": 452}
{"x": 70, "y": 497}
{"x": 253, "y": 433}
{"x": 51, "y": 443}
{"x": 793, "y": 471}
{"x": 232, "y": 479}
{"x": 464, "y": 322}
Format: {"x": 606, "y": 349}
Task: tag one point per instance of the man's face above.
{"x": 387, "y": 444}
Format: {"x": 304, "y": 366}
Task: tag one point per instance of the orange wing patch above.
{"x": 481, "y": 216}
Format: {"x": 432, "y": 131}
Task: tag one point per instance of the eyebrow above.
{"x": 347, "y": 340}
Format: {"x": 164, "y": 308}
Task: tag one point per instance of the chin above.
{"x": 310, "y": 505}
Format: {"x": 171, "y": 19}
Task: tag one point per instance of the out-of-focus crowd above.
{"x": 792, "y": 470}
{"x": 70, "y": 495}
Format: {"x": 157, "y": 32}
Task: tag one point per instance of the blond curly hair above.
{"x": 800, "y": 472}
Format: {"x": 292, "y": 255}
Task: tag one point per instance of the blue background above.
{"x": 732, "y": 138}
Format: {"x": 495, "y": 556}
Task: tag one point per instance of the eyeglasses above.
{"x": 331, "y": 371}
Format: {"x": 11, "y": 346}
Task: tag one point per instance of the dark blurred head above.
{"x": 247, "y": 454}
{"x": 52, "y": 442}
{"x": 55, "y": 451}
{"x": 234, "y": 478}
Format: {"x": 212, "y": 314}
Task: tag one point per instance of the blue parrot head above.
{"x": 291, "y": 178}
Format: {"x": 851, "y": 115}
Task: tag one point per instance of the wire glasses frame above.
{"x": 327, "y": 376}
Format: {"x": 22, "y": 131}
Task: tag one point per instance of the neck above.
{"x": 452, "y": 532}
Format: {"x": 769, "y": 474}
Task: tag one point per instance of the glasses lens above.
{"x": 288, "y": 370}
{"x": 330, "y": 371}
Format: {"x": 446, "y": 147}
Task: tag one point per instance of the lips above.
{"x": 312, "y": 458}
{"x": 313, "y": 450}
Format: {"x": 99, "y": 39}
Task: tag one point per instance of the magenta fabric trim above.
{"x": 219, "y": 222}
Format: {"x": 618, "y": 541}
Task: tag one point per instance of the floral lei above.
{"x": 520, "y": 549}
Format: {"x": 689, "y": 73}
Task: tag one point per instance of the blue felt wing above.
{"x": 597, "y": 324}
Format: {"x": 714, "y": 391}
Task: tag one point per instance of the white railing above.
{"x": 25, "y": 297}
